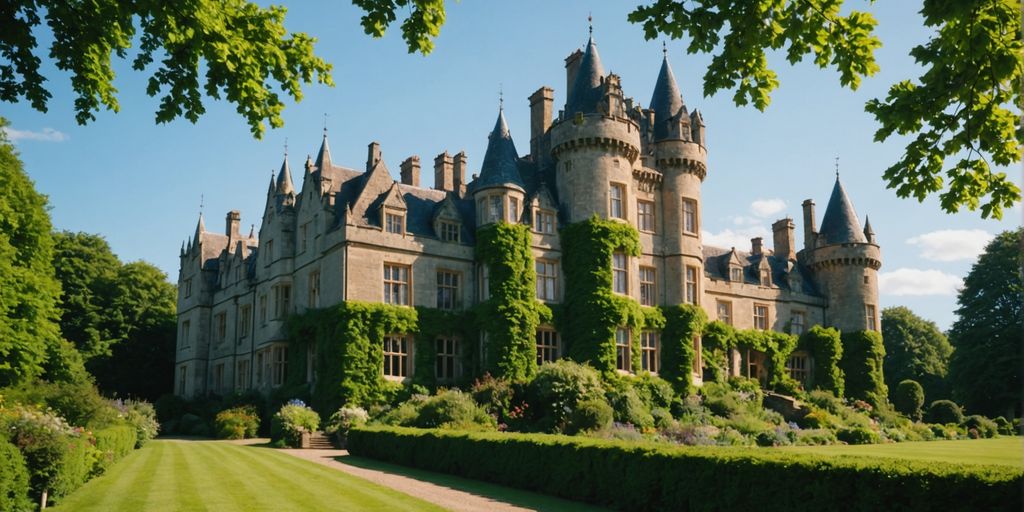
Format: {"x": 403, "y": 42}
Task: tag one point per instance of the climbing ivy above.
{"x": 683, "y": 323}
{"x": 511, "y": 314}
{"x": 592, "y": 312}
{"x": 863, "y": 353}
{"x": 433, "y": 323}
{"x": 719, "y": 338}
{"x": 826, "y": 349}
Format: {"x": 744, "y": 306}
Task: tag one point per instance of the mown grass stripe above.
{"x": 116, "y": 477}
{"x": 189, "y": 496}
{"x": 263, "y": 481}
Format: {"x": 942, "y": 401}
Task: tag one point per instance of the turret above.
{"x": 682, "y": 162}
{"x": 499, "y": 191}
{"x": 844, "y": 262}
{"x": 595, "y": 146}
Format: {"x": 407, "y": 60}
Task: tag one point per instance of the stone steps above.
{"x": 320, "y": 441}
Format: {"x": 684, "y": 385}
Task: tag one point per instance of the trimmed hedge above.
{"x": 13, "y": 478}
{"x": 643, "y": 476}
{"x": 114, "y": 443}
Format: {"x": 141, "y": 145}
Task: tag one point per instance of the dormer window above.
{"x": 449, "y": 231}
{"x": 544, "y": 221}
{"x": 736, "y": 274}
{"x": 394, "y": 223}
{"x": 766, "y": 277}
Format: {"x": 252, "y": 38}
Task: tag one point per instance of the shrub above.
{"x": 78, "y": 403}
{"x": 655, "y": 392}
{"x": 169, "y": 408}
{"x": 621, "y": 432}
{"x": 405, "y": 414}
{"x": 495, "y": 395}
{"x": 826, "y": 400}
{"x": 817, "y": 419}
{"x": 13, "y": 478}
{"x": 237, "y": 423}
{"x": 908, "y": 397}
{"x": 291, "y": 421}
{"x": 628, "y": 408}
{"x": 815, "y": 437}
{"x": 985, "y": 427}
{"x": 557, "y": 390}
{"x": 662, "y": 418}
{"x": 192, "y": 425}
{"x": 113, "y": 443}
{"x": 453, "y": 409}
{"x": 1003, "y": 426}
{"x": 590, "y": 415}
{"x": 343, "y": 420}
{"x": 857, "y": 435}
{"x": 944, "y": 412}
{"x": 644, "y": 476}
{"x": 690, "y": 434}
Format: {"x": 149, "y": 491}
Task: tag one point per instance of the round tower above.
{"x": 844, "y": 261}
{"x": 680, "y": 155}
{"x": 595, "y": 145}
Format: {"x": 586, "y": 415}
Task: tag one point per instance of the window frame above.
{"x": 763, "y": 318}
{"x": 314, "y": 289}
{"x": 394, "y": 222}
{"x": 544, "y": 221}
{"x": 620, "y": 275}
{"x": 245, "y": 318}
{"x": 278, "y": 365}
{"x": 690, "y": 217}
{"x": 450, "y": 231}
{"x": 546, "y": 279}
{"x": 389, "y": 284}
{"x": 548, "y": 344}
{"x": 648, "y": 287}
{"x": 645, "y": 220}
{"x": 448, "y": 361}
{"x": 871, "y": 317}
{"x": 619, "y": 201}
{"x": 623, "y": 351}
{"x": 728, "y": 317}
{"x": 691, "y": 290}
{"x": 397, "y": 349}
{"x": 793, "y": 324}
{"x": 453, "y": 288}
{"x": 650, "y": 351}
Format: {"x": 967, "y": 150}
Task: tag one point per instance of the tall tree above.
{"x": 88, "y": 270}
{"x": 986, "y": 366}
{"x": 915, "y": 349}
{"x": 142, "y": 363}
{"x": 28, "y": 290}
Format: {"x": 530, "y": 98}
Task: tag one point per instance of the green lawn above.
{"x": 220, "y": 476}
{"x": 1005, "y": 451}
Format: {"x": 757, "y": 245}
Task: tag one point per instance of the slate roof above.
{"x": 666, "y": 102}
{"x": 716, "y": 266}
{"x": 586, "y": 88}
{"x": 500, "y": 166}
{"x": 840, "y": 226}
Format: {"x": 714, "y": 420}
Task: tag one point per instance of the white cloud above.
{"x": 45, "y": 135}
{"x": 951, "y": 244}
{"x": 743, "y": 220}
{"x": 913, "y": 281}
{"x": 738, "y": 238}
{"x": 767, "y": 207}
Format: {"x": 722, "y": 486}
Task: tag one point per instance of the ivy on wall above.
{"x": 826, "y": 349}
{"x": 861, "y": 361}
{"x": 511, "y": 314}
{"x": 433, "y": 323}
{"x": 719, "y": 338}
{"x": 683, "y": 323}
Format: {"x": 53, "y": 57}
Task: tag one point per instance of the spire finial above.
{"x": 202, "y": 199}
{"x": 325, "y": 124}
{"x": 837, "y": 167}
{"x": 286, "y": 147}
{"x": 590, "y": 23}
{"x": 664, "y": 49}
{"x": 501, "y": 96}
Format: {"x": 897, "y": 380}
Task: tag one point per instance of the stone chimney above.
{"x": 444, "y": 178}
{"x": 810, "y": 229}
{"x": 783, "y": 234}
{"x": 540, "y": 118}
{"x": 372, "y": 155}
{"x": 756, "y": 246}
{"x": 234, "y": 219}
{"x": 572, "y": 65}
{"x": 411, "y": 171}
{"x": 459, "y": 173}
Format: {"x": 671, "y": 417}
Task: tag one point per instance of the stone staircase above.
{"x": 320, "y": 441}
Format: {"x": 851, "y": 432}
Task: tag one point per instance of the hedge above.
{"x": 863, "y": 353}
{"x": 13, "y": 478}
{"x": 645, "y": 476}
{"x": 114, "y": 443}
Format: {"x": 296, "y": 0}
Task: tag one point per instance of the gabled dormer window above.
{"x": 736, "y": 274}
{"x": 449, "y": 231}
{"x": 544, "y": 221}
{"x": 765, "y": 276}
{"x": 394, "y": 222}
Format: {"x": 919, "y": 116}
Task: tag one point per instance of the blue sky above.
{"x": 139, "y": 184}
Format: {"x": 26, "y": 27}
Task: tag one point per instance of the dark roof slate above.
{"x": 840, "y": 226}
{"x": 500, "y": 166}
{"x": 666, "y": 102}
{"x": 586, "y": 88}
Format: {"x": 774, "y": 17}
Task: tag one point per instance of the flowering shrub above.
{"x": 344, "y": 420}
{"x": 141, "y": 415}
{"x": 237, "y": 422}
{"x": 291, "y": 421}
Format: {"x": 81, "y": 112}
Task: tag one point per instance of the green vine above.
{"x": 511, "y": 315}
{"x": 863, "y": 353}
{"x": 683, "y": 323}
{"x": 719, "y": 338}
{"x": 826, "y": 349}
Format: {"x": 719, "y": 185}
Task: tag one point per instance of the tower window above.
{"x": 513, "y": 210}
{"x": 620, "y": 276}
{"x": 645, "y": 216}
{"x": 870, "y": 318}
{"x": 648, "y": 288}
{"x": 690, "y": 216}
{"x": 616, "y": 194}
{"x": 691, "y": 285}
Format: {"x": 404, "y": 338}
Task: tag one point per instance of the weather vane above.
{"x": 325, "y": 123}
{"x": 501, "y": 96}
{"x": 837, "y": 167}
{"x": 286, "y": 147}
{"x": 664, "y": 48}
{"x": 590, "y": 22}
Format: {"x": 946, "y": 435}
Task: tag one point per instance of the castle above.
{"x": 349, "y": 235}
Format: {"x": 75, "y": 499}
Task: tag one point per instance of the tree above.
{"x": 243, "y": 47}
{"x": 915, "y": 349}
{"x": 142, "y": 363}
{"x": 87, "y": 270}
{"x": 28, "y": 291}
{"x": 908, "y": 397}
{"x": 986, "y": 364}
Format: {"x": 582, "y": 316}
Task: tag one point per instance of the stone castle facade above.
{"x": 350, "y": 235}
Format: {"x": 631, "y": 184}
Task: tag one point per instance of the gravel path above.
{"x": 451, "y": 499}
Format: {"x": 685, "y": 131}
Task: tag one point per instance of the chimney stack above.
{"x": 411, "y": 171}
{"x": 459, "y": 173}
{"x": 444, "y": 173}
{"x": 540, "y": 118}
{"x": 756, "y": 246}
{"x": 572, "y": 65}
{"x": 372, "y": 155}
{"x": 810, "y": 229}
{"x": 234, "y": 219}
{"x": 783, "y": 235}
